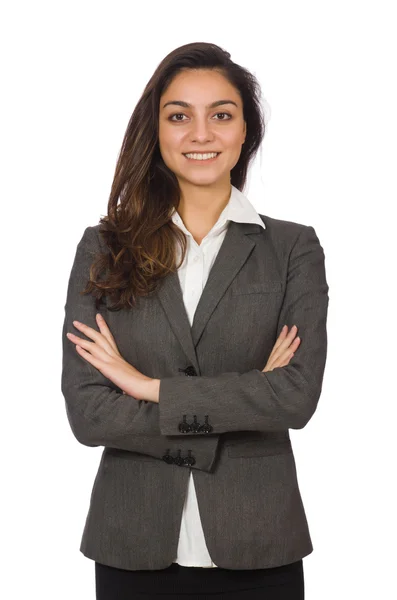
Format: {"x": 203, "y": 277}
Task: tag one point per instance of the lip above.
{"x": 198, "y": 160}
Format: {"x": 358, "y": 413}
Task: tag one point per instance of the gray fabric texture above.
{"x": 245, "y": 473}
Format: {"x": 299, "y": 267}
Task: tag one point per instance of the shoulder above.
{"x": 292, "y": 238}
{"x": 91, "y": 237}
{"x": 282, "y": 230}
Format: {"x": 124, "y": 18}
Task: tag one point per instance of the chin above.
{"x": 203, "y": 180}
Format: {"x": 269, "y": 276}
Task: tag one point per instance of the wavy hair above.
{"x": 138, "y": 229}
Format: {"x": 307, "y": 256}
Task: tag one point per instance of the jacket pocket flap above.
{"x": 259, "y": 448}
{"x": 127, "y": 455}
{"x": 258, "y": 288}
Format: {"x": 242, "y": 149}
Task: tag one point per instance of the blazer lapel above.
{"x": 233, "y": 253}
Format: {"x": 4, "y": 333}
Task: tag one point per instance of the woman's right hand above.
{"x": 283, "y": 349}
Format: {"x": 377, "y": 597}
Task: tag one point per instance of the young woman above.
{"x": 181, "y": 355}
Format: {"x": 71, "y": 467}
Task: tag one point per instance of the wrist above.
{"x": 154, "y": 390}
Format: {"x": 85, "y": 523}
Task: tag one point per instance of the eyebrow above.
{"x": 212, "y": 105}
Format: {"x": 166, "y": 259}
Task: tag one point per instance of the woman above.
{"x": 188, "y": 368}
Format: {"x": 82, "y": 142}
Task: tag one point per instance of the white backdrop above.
{"x": 71, "y": 74}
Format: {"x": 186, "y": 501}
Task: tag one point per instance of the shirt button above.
{"x": 195, "y": 259}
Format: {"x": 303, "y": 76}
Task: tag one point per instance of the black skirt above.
{"x": 194, "y": 583}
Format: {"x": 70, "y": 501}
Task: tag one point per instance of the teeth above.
{"x": 202, "y": 156}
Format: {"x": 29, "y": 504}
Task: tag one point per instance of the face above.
{"x": 189, "y": 124}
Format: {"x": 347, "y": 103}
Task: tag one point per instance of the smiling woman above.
{"x": 203, "y": 145}
{"x": 163, "y": 167}
{"x": 181, "y": 356}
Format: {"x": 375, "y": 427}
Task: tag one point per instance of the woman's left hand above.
{"x": 103, "y": 354}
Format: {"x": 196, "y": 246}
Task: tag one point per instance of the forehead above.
{"x": 200, "y": 87}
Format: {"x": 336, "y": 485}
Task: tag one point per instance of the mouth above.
{"x": 202, "y": 158}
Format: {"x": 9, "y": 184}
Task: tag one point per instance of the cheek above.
{"x": 170, "y": 138}
{"x": 231, "y": 138}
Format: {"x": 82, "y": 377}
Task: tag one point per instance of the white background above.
{"x": 71, "y": 75}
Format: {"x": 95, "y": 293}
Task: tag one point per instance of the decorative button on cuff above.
{"x": 189, "y": 461}
{"x": 206, "y": 428}
{"x": 167, "y": 457}
{"x": 195, "y": 427}
{"x": 184, "y": 427}
{"x": 178, "y": 460}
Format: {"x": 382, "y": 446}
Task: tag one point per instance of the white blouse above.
{"x": 193, "y": 274}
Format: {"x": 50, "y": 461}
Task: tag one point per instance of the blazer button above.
{"x": 178, "y": 460}
{"x": 189, "y": 460}
{"x": 195, "y": 426}
{"x": 167, "y": 457}
{"x": 206, "y": 428}
{"x": 190, "y": 371}
{"x": 183, "y": 426}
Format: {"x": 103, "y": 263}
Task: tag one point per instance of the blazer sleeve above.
{"x": 98, "y": 412}
{"x": 280, "y": 399}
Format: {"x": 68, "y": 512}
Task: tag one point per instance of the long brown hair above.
{"x": 138, "y": 229}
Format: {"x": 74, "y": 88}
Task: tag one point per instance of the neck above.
{"x": 201, "y": 206}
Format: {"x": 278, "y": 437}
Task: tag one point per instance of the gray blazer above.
{"x": 211, "y": 374}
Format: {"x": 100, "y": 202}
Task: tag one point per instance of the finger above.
{"x": 285, "y": 355}
{"x": 285, "y": 343}
{"x": 104, "y": 328}
{"x": 88, "y": 331}
{"x": 284, "y": 340}
{"x": 97, "y": 336}
{"x": 281, "y": 362}
{"x": 281, "y": 338}
{"x": 285, "y": 361}
{"x": 89, "y": 357}
{"x": 93, "y": 348}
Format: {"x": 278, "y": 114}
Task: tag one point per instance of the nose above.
{"x": 201, "y": 130}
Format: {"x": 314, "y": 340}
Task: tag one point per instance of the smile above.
{"x": 199, "y": 157}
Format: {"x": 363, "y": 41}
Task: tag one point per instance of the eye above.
{"x": 170, "y": 118}
{"x": 224, "y": 113}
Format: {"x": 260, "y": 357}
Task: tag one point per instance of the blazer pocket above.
{"x": 258, "y": 288}
{"x": 259, "y": 448}
{"x": 128, "y": 455}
